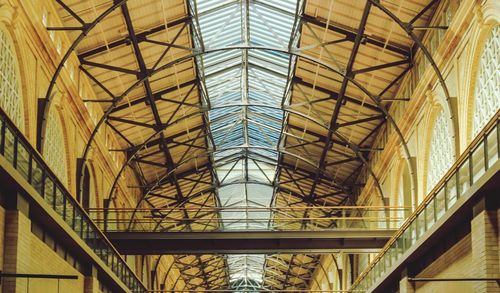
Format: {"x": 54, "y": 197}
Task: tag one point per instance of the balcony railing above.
{"x": 482, "y": 153}
{"x": 244, "y": 218}
{"x": 16, "y": 149}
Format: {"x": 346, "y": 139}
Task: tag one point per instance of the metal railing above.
{"x": 204, "y": 219}
{"x": 481, "y": 154}
{"x": 16, "y": 149}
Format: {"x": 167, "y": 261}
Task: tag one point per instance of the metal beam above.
{"x": 157, "y": 96}
{"x": 141, "y": 37}
{"x": 336, "y": 111}
{"x": 351, "y": 36}
{"x": 241, "y": 47}
{"x": 134, "y": 39}
{"x": 248, "y": 242}
{"x": 335, "y": 95}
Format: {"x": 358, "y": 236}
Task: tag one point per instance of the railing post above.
{"x": 471, "y": 168}
{"x": 14, "y": 157}
{"x": 446, "y": 192}
{"x": 485, "y": 152}
{"x": 105, "y": 216}
{"x": 30, "y": 168}
{"x": 59, "y": 192}
{"x": 2, "y": 136}
{"x": 498, "y": 137}
{"x": 343, "y": 222}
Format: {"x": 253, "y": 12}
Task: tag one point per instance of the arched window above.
{"x": 53, "y": 147}
{"x": 441, "y": 151}
{"x": 10, "y": 93}
{"x": 487, "y": 91}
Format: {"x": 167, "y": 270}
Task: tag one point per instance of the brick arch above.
{"x": 436, "y": 114}
{"x": 402, "y": 189}
{"x": 481, "y": 38}
{"x": 487, "y": 17}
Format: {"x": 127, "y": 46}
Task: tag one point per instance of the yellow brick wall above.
{"x": 454, "y": 263}
{"x": 37, "y": 57}
{"x": 457, "y": 57}
{"x": 36, "y": 257}
{"x": 485, "y": 250}
{"x": 36, "y": 53}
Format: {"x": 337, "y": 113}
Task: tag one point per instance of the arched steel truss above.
{"x": 173, "y": 286}
{"x": 356, "y": 149}
{"x": 343, "y": 141}
{"x": 347, "y": 74}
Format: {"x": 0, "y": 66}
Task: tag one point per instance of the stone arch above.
{"x": 487, "y": 17}
{"x": 144, "y": 270}
{"x": 439, "y": 142}
{"x": 485, "y": 56}
{"x": 326, "y": 275}
{"x": 401, "y": 193}
{"x": 490, "y": 12}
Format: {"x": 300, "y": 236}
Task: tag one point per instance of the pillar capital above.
{"x": 489, "y": 12}
{"x": 8, "y": 12}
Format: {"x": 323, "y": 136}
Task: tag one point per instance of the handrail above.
{"x": 248, "y": 208}
{"x": 440, "y": 188}
{"x": 31, "y": 165}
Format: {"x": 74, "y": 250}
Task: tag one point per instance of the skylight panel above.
{"x": 245, "y": 85}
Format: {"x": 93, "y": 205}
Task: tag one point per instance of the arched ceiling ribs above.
{"x": 348, "y": 73}
{"x": 145, "y": 77}
{"x": 160, "y": 181}
{"x": 409, "y": 29}
{"x": 209, "y": 268}
{"x": 172, "y": 63}
{"x": 134, "y": 150}
{"x": 314, "y": 145}
{"x": 152, "y": 142}
{"x": 286, "y": 109}
{"x": 161, "y": 213}
{"x": 85, "y": 28}
{"x": 263, "y": 105}
{"x": 143, "y": 36}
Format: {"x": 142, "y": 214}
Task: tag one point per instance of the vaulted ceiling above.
{"x": 244, "y": 104}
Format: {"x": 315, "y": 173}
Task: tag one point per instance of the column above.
{"x": 90, "y": 282}
{"x": 405, "y": 286}
{"x": 17, "y": 224}
{"x": 484, "y": 233}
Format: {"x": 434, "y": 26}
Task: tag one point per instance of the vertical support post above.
{"x": 485, "y": 250}
{"x": 405, "y": 286}
{"x": 91, "y": 283}
{"x": 40, "y": 124}
{"x": 80, "y": 164}
{"x": 17, "y": 225}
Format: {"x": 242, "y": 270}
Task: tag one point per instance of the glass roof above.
{"x": 245, "y": 89}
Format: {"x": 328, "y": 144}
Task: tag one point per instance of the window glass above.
{"x": 441, "y": 150}
{"x": 53, "y": 149}
{"x": 10, "y": 93}
{"x": 487, "y": 93}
